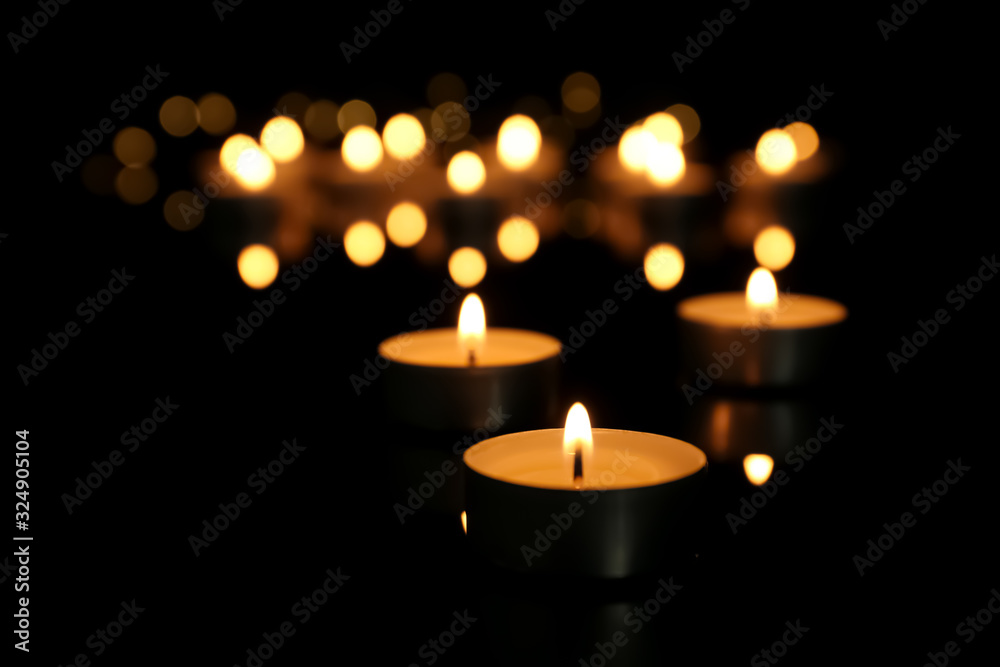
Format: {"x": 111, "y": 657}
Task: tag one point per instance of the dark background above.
{"x": 333, "y": 507}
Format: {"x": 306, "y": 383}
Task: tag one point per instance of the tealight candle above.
{"x": 450, "y": 379}
{"x": 758, "y": 338}
{"x": 577, "y": 500}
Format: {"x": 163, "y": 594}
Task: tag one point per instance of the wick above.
{"x": 578, "y": 466}
{"x": 472, "y": 357}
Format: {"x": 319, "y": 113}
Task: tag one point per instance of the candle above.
{"x": 577, "y": 500}
{"x": 450, "y": 378}
{"x": 756, "y": 338}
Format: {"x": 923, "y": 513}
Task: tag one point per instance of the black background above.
{"x": 334, "y": 507}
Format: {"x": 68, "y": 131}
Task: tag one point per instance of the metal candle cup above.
{"x": 524, "y": 513}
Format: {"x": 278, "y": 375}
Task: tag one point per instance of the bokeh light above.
{"x": 466, "y": 172}
{"x": 282, "y": 139}
{"x": 664, "y": 266}
{"x": 518, "y": 142}
{"x": 321, "y": 120}
{"x": 774, "y": 247}
{"x": 664, "y": 128}
{"x": 258, "y": 265}
{"x": 776, "y": 152}
{"x": 634, "y": 147}
{"x": 362, "y": 148}
{"x": 665, "y": 164}
{"x": 216, "y": 114}
{"x": 182, "y": 211}
{"x": 231, "y": 149}
{"x": 758, "y": 468}
{"x": 580, "y": 92}
{"x": 254, "y": 169}
{"x": 451, "y": 121}
{"x": 136, "y": 185}
{"x": 688, "y": 118}
{"x": 179, "y": 116}
{"x": 403, "y": 136}
{"x": 355, "y": 113}
{"x": 134, "y": 147}
{"x": 467, "y": 267}
{"x": 806, "y": 139}
{"x": 517, "y": 238}
{"x": 364, "y": 243}
{"x": 406, "y": 224}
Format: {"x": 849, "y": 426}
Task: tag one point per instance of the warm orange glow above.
{"x": 321, "y": 120}
{"x": 518, "y": 142}
{"x": 354, "y": 113}
{"x": 776, "y": 152}
{"x": 406, "y": 224}
{"x": 466, "y": 172}
{"x": 231, "y": 149}
{"x": 465, "y": 522}
{"x": 136, "y": 185}
{"x": 664, "y": 128}
{"x": 665, "y": 164}
{"x": 758, "y": 468}
{"x": 472, "y": 327}
{"x": 688, "y": 118}
{"x": 364, "y": 243}
{"x": 580, "y": 92}
{"x": 216, "y": 114}
{"x": 774, "y": 247}
{"x": 179, "y": 116}
{"x": 362, "y": 148}
{"x": 762, "y": 291}
{"x": 258, "y": 265}
{"x": 254, "y": 169}
{"x": 467, "y": 267}
{"x": 805, "y": 138}
{"x": 517, "y": 238}
{"x": 134, "y": 147}
{"x": 634, "y": 147}
{"x": 282, "y": 139}
{"x": 403, "y": 136}
{"x": 664, "y": 266}
{"x": 578, "y": 438}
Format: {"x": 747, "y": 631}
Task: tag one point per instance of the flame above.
{"x": 762, "y": 292}
{"x": 577, "y": 435}
{"x": 465, "y": 522}
{"x": 472, "y": 326}
{"x": 758, "y": 468}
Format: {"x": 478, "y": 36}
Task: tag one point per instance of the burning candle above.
{"x": 757, "y": 338}
{"x": 577, "y": 500}
{"x": 450, "y": 378}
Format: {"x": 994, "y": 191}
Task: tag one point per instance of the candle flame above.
{"x": 465, "y": 522}
{"x": 578, "y": 440}
{"x": 472, "y": 326}
{"x": 758, "y": 468}
{"x": 762, "y": 292}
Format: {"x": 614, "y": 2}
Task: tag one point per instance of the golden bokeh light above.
{"x": 688, "y": 118}
{"x": 182, "y": 211}
{"x": 774, "y": 247}
{"x": 179, "y": 116}
{"x": 467, "y": 267}
{"x": 806, "y": 139}
{"x": 254, "y": 169}
{"x": 216, "y": 114}
{"x": 518, "y": 142}
{"x": 762, "y": 291}
{"x": 321, "y": 120}
{"x": 292, "y": 104}
{"x": 580, "y": 92}
{"x": 258, "y": 265}
{"x": 451, "y": 121}
{"x": 136, "y": 185}
{"x": 634, "y": 147}
{"x": 282, "y": 139}
{"x": 362, "y": 148}
{"x": 231, "y": 149}
{"x": 466, "y": 172}
{"x": 664, "y": 266}
{"x": 517, "y": 238}
{"x": 364, "y": 243}
{"x": 403, "y": 136}
{"x": 776, "y": 153}
{"x": 758, "y": 468}
{"x": 664, "y": 128}
{"x": 665, "y": 164}
{"x": 134, "y": 147}
{"x": 355, "y": 113}
{"x": 406, "y": 224}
